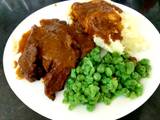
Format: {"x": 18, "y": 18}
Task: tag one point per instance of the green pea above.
{"x": 72, "y": 106}
{"x": 107, "y": 58}
{"x": 124, "y": 77}
{"x": 112, "y": 68}
{"x": 80, "y": 77}
{"x": 132, "y": 95}
{"x": 108, "y": 71}
{"x": 96, "y": 50}
{"x": 125, "y": 55}
{"x": 97, "y": 76}
{"x": 117, "y": 60}
{"x": 120, "y": 67}
{"x": 89, "y": 79}
{"x": 115, "y": 83}
{"x": 125, "y": 91}
{"x": 78, "y": 70}
{"x": 144, "y": 61}
{"x": 65, "y": 100}
{"x": 130, "y": 67}
{"x": 107, "y": 101}
{"x": 90, "y": 108}
{"x": 136, "y": 76}
{"x": 70, "y": 81}
{"x": 101, "y": 68}
{"x": 106, "y": 80}
{"x": 95, "y": 83}
{"x": 119, "y": 86}
{"x": 73, "y": 73}
{"x": 139, "y": 89}
{"x": 104, "y": 89}
{"x": 97, "y": 58}
{"x": 131, "y": 84}
{"x": 141, "y": 70}
{"x": 93, "y": 90}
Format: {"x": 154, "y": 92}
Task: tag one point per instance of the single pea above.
{"x": 106, "y": 80}
{"x": 144, "y": 61}
{"x": 71, "y": 98}
{"x": 115, "y": 54}
{"x": 112, "y": 68}
{"x": 78, "y": 70}
{"x": 124, "y": 77}
{"x": 130, "y": 67}
{"x": 136, "y": 76}
{"x": 107, "y": 100}
{"x": 115, "y": 83}
{"x": 86, "y": 69}
{"x": 92, "y": 71}
{"x": 119, "y": 86}
{"x": 118, "y": 74}
{"x": 125, "y": 91}
{"x": 83, "y": 99}
{"x": 90, "y": 108}
{"x": 117, "y": 60}
{"x": 74, "y": 88}
{"x": 73, "y": 73}
{"x": 78, "y": 85}
{"x": 101, "y": 68}
{"x": 72, "y": 106}
{"x": 96, "y": 50}
{"x": 89, "y": 79}
{"x": 93, "y": 90}
{"x": 141, "y": 70}
{"x": 107, "y": 58}
{"x": 118, "y": 93}
{"x": 80, "y": 77}
{"x": 131, "y": 84}
{"x": 97, "y": 58}
{"x": 125, "y": 55}
{"x": 109, "y": 85}
{"x": 104, "y": 89}
{"x": 108, "y": 71}
{"x": 65, "y": 100}
{"x": 70, "y": 81}
{"x": 97, "y": 76}
{"x": 120, "y": 67}
{"x": 132, "y": 95}
{"x": 95, "y": 83}
{"x": 87, "y": 91}
{"x": 139, "y": 89}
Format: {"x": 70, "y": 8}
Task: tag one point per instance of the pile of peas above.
{"x": 99, "y": 79}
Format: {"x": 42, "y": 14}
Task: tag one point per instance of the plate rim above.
{"x": 63, "y": 2}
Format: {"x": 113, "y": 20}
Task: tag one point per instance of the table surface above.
{"x": 12, "y": 12}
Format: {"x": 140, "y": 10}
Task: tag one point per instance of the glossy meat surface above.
{"x": 50, "y": 53}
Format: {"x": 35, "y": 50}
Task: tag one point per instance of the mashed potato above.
{"x": 114, "y": 46}
{"x": 132, "y": 41}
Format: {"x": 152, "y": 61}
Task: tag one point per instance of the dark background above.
{"x": 12, "y": 12}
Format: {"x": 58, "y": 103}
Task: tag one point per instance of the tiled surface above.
{"x": 14, "y": 11}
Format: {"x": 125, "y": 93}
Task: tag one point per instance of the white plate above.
{"x": 32, "y": 94}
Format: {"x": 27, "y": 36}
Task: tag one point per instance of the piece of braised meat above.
{"x": 50, "y": 52}
{"x": 98, "y": 18}
{"x": 84, "y": 40}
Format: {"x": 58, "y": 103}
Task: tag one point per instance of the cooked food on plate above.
{"x": 99, "y": 79}
{"x": 93, "y": 54}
